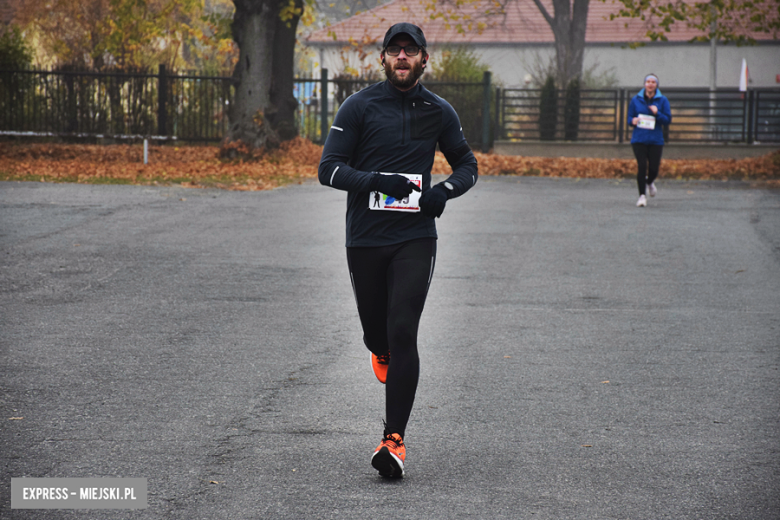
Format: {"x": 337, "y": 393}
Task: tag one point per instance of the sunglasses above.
{"x": 395, "y": 50}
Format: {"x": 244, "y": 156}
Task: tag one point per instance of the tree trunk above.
{"x": 579, "y": 24}
{"x": 282, "y": 99}
{"x": 568, "y": 25}
{"x": 263, "y": 110}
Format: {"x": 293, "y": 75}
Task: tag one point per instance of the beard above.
{"x": 409, "y": 80}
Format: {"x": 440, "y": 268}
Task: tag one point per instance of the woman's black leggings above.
{"x": 647, "y": 153}
{"x": 391, "y": 284}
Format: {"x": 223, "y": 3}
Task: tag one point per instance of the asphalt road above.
{"x": 580, "y": 357}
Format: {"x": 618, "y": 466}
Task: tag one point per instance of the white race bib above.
{"x": 646, "y": 122}
{"x": 380, "y": 202}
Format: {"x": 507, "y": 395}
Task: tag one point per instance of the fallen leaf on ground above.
{"x": 199, "y": 166}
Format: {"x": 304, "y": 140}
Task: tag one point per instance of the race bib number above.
{"x": 378, "y": 201}
{"x": 646, "y": 122}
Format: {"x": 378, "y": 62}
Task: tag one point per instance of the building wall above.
{"x": 677, "y": 65}
{"x": 688, "y": 65}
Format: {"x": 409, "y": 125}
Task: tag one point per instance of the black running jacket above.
{"x": 381, "y": 129}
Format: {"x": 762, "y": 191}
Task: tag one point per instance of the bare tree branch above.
{"x": 544, "y": 12}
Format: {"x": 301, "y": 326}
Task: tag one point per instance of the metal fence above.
{"x": 118, "y": 105}
{"x": 520, "y": 115}
{"x": 167, "y": 106}
{"x": 474, "y": 103}
{"x": 194, "y": 108}
{"x": 698, "y": 115}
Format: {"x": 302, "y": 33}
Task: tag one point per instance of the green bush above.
{"x": 15, "y": 87}
{"x": 456, "y": 65}
{"x": 548, "y": 110}
{"x": 15, "y": 54}
{"x": 448, "y": 70}
{"x": 571, "y": 111}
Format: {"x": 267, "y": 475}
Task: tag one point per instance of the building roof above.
{"x": 522, "y": 23}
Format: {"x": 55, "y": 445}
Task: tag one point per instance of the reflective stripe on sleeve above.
{"x": 337, "y": 128}
{"x": 334, "y": 174}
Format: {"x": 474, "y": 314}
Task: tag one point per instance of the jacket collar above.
{"x": 414, "y": 91}
{"x": 657, "y": 93}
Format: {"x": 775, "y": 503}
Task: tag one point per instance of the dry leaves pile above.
{"x": 190, "y": 166}
{"x": 765, "y": 168}
{"x": 199, "y": 166}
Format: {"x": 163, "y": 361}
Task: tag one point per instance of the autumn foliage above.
{"x": 190, "y": 166}
{"x": 764, "y": 168}
{"x": 297, "y": 160}
{"x": 128, "y": 35}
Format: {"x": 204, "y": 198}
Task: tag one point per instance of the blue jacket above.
{"x": 639, "y": 105}
{"x": 381, "y": 129}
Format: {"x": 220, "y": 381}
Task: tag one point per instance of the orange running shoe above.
{"x": 389, "y": 456}
{"x": 380, "y": 364}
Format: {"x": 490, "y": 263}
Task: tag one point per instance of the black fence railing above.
{"x": 195, "y": 108}
{"x": 698, "y": 115}
{"x": 521, "y": 114}
{"x": 472, "y": 101}
{"x": 167, "y": 106}
{"x": 119, "y": 105}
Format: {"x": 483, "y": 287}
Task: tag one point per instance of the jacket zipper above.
{"x": 412, "y": 119}
{"x": 403, "y": 122}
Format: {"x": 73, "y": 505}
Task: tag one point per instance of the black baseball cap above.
{"x": 414, "y": 32}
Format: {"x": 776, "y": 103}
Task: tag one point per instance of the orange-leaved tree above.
{"x": 122, "y": 34}
{"x": 727, "y": 21}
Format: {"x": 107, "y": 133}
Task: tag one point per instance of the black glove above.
{"x": 397, "y": 186}
{"x": 432, "y": 202}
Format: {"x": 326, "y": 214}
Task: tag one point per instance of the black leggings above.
{"x": 647, "y": 153}
{"x": 391, "y": 284}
